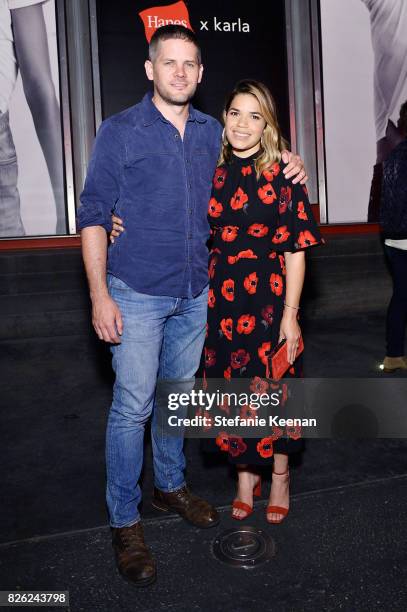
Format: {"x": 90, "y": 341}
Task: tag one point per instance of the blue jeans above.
{"x": 10, "y": 218}
{"x": 162, "y": 338}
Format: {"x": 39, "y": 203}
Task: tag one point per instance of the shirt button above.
{"x": 176, "y": 136}
{"x": 190, "y": 211}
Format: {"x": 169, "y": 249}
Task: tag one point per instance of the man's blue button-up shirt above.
{"x": 160, "y": 185}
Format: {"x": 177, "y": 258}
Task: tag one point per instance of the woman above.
{"x": 260, "y": 224}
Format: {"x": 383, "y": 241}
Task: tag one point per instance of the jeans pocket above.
{"x": 115, "y": 283}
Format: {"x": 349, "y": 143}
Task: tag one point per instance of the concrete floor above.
{"x": 342, "y": 546}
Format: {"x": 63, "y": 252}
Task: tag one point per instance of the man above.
{"x": 152, "y": 164}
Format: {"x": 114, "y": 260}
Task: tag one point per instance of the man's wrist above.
{"x": 99, "y": 294}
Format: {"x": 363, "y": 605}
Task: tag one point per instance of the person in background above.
{"x": 393, "y": 221}
{"x": 388, "y": 23}
{"x": 24, "y": 49}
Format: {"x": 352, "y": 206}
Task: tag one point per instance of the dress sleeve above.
{"x": 296, "y": 228}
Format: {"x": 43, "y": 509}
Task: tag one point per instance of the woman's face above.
{"x": 244, "y": 125}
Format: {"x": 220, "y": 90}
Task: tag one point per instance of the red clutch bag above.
{"x": 278, "y": 363}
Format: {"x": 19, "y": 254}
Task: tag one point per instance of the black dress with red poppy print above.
{"x": 253, "y": 221}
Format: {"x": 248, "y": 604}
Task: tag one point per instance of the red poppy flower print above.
{"x": 272, "y": 255}
{"x": 265, "y": 447}
{"x": 246, "y": 324}
{"x": 224, "y": 406}
{"x": 281, "y": 235}
{"x": 215, "y": 208}
{"x": 263, "y": 352}
{"x": 219, "y": 178}
{"x": 277, "y": 433}
{"x": 210, "y": 357}
{"x": 267, "y": 194}
{"x": 258, "y": 385}
{"x": 237, "y": 446}
{"x": 239, "y": 359}
{"x": 283, "y": 394}
{"x": 276, "y": 284}
{"x": 222, "y": 441}
{"x": 248, "y": 254}
{"x": 258, "y": 230}
{"x": 208, "y": 423}
{"x": 227, "y": 374}
{"x": 229, "y": 233}
{"x": 226, "y": 326}
{"x": 306, "y": 239}
{"x": 211, "y": 298}
{"x": 250, "y": 283}
{"x": 212, "y": 266}
{"x": 271, "y": 172}
{"x": 228, "y": 289}
{"x": 246, "y": 170}
{"x": 301, "y": 211}
{"x": 239, "y": 199}
{"x": 268, "y": 313}
{"x": 285, "y": 199}
{"x": 282, "y": 264}
{"x": 247, "y": 412}
{"x": 294, "y": 432}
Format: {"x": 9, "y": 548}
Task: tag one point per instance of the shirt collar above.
{"x": 151, "y": 113}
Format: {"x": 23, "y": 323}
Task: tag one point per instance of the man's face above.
{"x": 175, "y": 71}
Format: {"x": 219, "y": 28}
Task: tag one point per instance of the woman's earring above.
{"x": 224, "y": 139}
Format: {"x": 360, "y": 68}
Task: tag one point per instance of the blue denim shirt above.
{"x": 160, "y": 185}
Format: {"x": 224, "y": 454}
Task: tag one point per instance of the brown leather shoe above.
{"x": 133, "y": 559}
{"x": 192, "y": 508}
{"x": 391, "y": 364}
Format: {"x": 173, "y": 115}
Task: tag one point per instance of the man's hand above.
{"x": 107, "y": 319}
{"x": 295, "y": 167}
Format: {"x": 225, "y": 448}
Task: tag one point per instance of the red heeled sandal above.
{"x": 239, "y": 505}
{"x": 278, "y": 509}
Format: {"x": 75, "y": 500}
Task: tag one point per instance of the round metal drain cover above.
{"x": 246, "y": 547}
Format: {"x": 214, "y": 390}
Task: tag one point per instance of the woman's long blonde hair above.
{"x": 272, "y": 143}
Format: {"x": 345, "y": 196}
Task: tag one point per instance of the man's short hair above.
{"x": 402, "y": 122}
{"x": 172, "y": 31}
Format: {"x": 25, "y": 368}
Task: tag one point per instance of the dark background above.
{"x": 227, "y": 56}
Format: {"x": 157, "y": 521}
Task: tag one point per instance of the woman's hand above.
{"x": 291, "y": 331}
{"x": 117, "y": 228}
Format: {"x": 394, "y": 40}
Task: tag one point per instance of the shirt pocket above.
{"x": 153, "y": 174}
{"x": 205, "y": 164}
